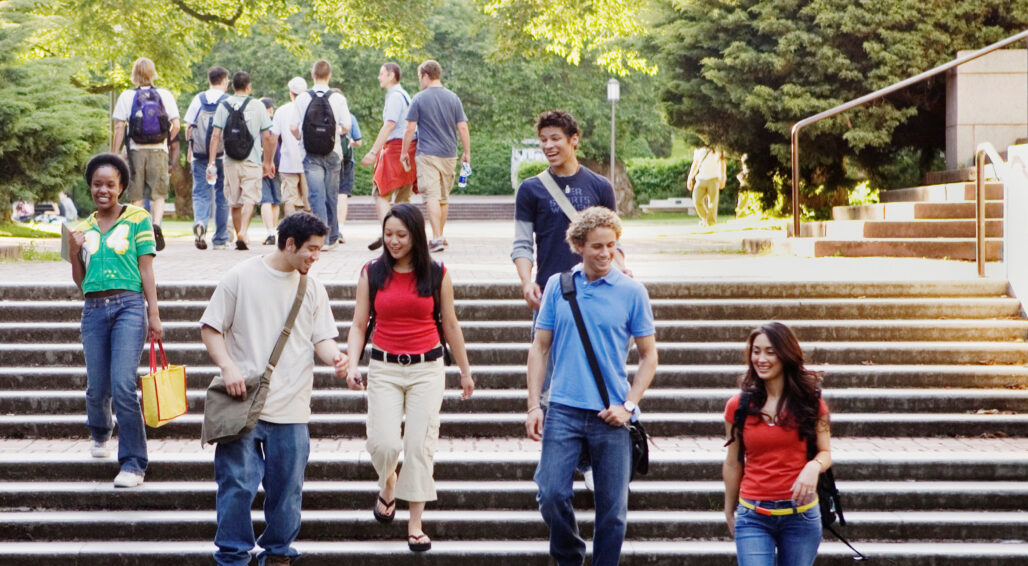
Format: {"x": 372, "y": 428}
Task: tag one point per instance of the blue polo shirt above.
{"x": 615, "y": 307}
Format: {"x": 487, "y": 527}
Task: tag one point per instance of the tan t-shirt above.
{"x": 249, "y": 307}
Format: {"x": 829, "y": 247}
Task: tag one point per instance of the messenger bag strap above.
{"x": 562, "y": 200}
{"x": 567, "y": 288}
{"x": 301, "y": 290}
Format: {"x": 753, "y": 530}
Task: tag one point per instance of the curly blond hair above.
{"x": 588, "y": 220}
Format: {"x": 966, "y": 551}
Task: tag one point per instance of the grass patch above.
{"x": 30, "y": 252}
{"x": 30, "y": 230}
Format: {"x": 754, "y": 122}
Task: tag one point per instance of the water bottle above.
{"x": 465, "y": 170}
{"x": 212, "y": 175}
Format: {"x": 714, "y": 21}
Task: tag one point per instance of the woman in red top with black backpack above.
{"x": 771, "y": 504}
{"x": 406, "y": 300}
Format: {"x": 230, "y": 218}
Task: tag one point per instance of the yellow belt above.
{"x": 783, "y": 511}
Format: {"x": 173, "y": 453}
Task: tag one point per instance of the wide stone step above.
{"x": 669, "y": 352}
{"x": 504, "y": 553}
{"x": 667, "y": 331}
{"x": 516, "y": 495}
{"x": 915, "y": 210}
{"x": 512, "y": 376}
{"x": 327, "y": 525}
{"x": 856, "y": 229}
{"x": 657, "y": 400}
{"x": 947, "y": 192}
{"x": 507, "y": 425}
{"x": 726, "y": 288}
{"x": 937, "y": 248}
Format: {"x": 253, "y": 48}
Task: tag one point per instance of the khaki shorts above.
{"x": 294, "y": 190}
{"x": 149, "y": 174}
{"x": 435, "y": 176}
{"x": 395, "y": 196}
{"x": 242, "y": 183}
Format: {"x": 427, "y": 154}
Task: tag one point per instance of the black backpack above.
{"x": 237, "y": 136}
{"x": 376, "y": 278}
{"x": 200, "y": 134}
{"x": 148, "y": 122}
{"x": 319, "y": 124}
{"x": 828, "y": 495}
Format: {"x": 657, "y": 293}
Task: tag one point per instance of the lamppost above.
{"x": 613, "y": 94}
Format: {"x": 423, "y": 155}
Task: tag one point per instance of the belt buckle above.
{"x": 403, "y": 359}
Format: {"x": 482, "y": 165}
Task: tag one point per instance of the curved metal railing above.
{"x": 984, "y": 150}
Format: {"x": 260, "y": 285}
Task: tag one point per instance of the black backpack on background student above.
{"x": 237, "y": 136}
{"x": 319, "y": 124}
{"x": 829, "y": 499}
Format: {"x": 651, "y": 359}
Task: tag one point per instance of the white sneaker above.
{"x": 99, "y": 449}
{"x": 587, "y": 477}
{"x": 437, "y": 245}
{"x": 128, "y": 479}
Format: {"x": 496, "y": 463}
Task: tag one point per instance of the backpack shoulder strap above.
{"x": 739, "y": 419}
{"x": 556, "y": 194}
{"x": 374, "y": 282}
{"x": 437, "y": 309}
{"x": 203, "y": 99}
{"x": 567, "y": 288}
{"x": 242, "y": 107}
{"x": 567, "y": 285}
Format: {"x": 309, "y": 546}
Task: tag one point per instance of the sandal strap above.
{"x": 387, "y": 504}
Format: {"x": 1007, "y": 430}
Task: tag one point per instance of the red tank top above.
{"x": 404, "y": 323}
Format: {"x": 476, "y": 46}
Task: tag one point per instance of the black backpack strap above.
{"x": 374, "y": 282}
{"x": 567, "y": 289}
{"x": 437, "y": 309}
{"x": 739, "y": 421}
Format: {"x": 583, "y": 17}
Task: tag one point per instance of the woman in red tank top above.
{"x": 405, "y": 374}
{"x": 771, "y": 502}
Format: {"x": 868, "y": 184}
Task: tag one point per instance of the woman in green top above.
{"x": 112, "y": 262}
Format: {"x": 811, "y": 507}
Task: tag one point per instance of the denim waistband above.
{"x": 125, "y": 297}
{"x": 771, "y": 504}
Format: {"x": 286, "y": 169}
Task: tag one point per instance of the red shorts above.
{"x": 389, "y": 173}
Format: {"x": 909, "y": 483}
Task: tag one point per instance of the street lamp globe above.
{"x": 613, "y": 90}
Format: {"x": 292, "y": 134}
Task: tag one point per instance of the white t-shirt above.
{"x": 211, "y": 94}
{"x": 123, "y": 111}
{"x": 340, "y": 110}
{"x": 249, "y": 308}
{"x": 291, "y": 158}
{"x": 710, "y": 163}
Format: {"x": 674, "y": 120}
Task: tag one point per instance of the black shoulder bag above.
{"x": 829, "y": 499}
{"x": 640, "y": 449}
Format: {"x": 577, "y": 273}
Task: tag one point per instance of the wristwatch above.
{"x": 630, "y": 406}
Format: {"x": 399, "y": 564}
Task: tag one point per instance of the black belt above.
{"x": 407, "y": 359}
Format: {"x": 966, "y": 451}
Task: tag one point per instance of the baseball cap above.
{"x": 297, "y": 85}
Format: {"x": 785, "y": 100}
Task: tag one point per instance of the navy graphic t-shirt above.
{"x": 535, "y": 205}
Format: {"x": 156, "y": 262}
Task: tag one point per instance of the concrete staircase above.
{"x": 904, "y": 362}
{"x": 462, "y": 207}
{"x": 936, "y": 221}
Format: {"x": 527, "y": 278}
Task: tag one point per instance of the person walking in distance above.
{"x": 240, "y": 327}
{"x": 614, "y": 309}
{"x": 323, "y": 116}
{"x": 707, "y": 176}
{"x": 293, "y": 185}
{"x": 392, "y": 181}
{"x": 408, "y": 300}
{"x": 349, "y": 141}
{"x": 151, "y": 114}
{"x": 436, "y": 113}
{"x": 119, "y": 241}
{"x": 271, "y": 196}
{"x": 244, "y": 125}
{"x": 199, "y": 126}
{"x": 771, "y": 504}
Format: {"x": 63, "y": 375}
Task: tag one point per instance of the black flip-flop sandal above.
{"x": 384, "y": 517}
{"x": 416, "y": 546}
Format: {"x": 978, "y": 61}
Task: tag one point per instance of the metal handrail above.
{"x": 984, "y": 150}
{"x": 795, "y": 138}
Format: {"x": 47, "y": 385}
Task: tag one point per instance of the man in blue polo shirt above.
{"x": 615, "y": 309}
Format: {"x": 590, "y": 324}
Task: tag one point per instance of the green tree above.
{"x": 48, "y": 126}
{"x": 742, "y": 73}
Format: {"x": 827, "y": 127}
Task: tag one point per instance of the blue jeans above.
{"x": 566, "y": 432}
{"x": 796, "y": 537}
{"x": 322, "y": 172}
{"x": 272, "y": 454}
{"x": 202, "y": 200}
{"x": 113, "y": 330}
{"x": 270, "y": 193}
{"x": 346, "y": 176}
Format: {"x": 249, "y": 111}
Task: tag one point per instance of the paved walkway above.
{"x": 480, "y": 251}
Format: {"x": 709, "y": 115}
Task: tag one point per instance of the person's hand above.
{"x": 269, "y": 170}
{"x": 467, "y": 385}
{"x": 235, "y": 385}
{"x": 405, "y": 160}
{"x": 76, "y": 240}
{"x": 615, "y": 415}
{"x": 341, "y": 364}
{"x": 466, "y": 158}
{"x": 354, "y": 381}
{"x": 730, "y": 521}
{"x": 534, "y": 424}
{"x": 532, "y": 294}
{"x": 804, "y": 489}
{"x": 156, "y": 328}
{"x": 369, "y": 159}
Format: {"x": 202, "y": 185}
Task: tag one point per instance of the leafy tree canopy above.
{"x": 742, "y": 72}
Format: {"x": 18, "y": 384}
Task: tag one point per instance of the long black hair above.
{"x": 801, "y": 395}
{"x": 420, "y": 258}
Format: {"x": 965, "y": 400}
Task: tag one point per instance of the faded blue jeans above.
{"x": 795, "y": 537}
{"x": 322, "y": 172}
{"x": 113, "y": 330}
{"x": 202, "y": 200}
{"x": 272, "y": 454}
{"x": 566, "y": 432}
